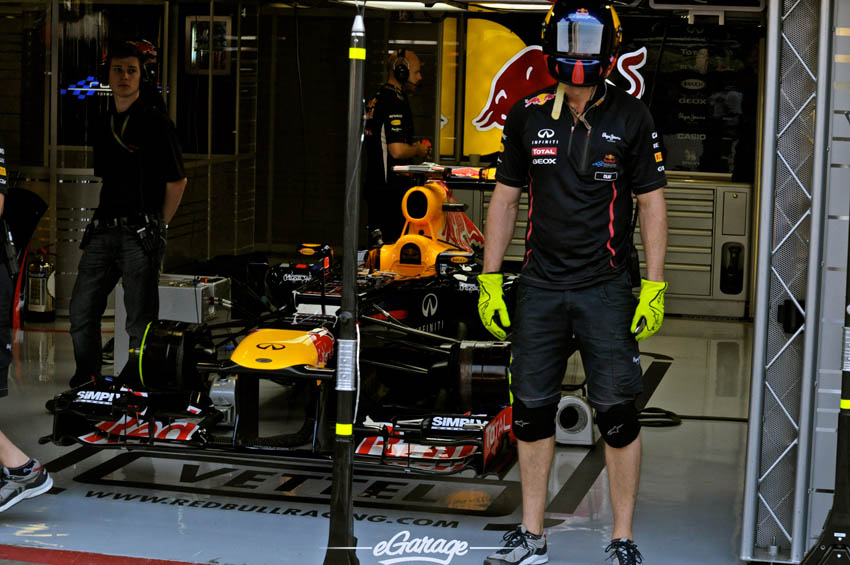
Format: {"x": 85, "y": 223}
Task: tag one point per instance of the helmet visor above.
{"x": 579, "y": 33}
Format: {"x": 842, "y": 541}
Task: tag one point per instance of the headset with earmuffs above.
{"x": 401, "y": 68}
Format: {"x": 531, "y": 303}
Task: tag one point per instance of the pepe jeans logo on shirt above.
{"x": 401, "y": 548}
{"x": 610, "y": 137}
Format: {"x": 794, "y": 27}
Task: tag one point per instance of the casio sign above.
{"x": 693, "y": 84}
{"x": 546, "y": 134}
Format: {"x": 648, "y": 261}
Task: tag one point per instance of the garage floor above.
{"x": 126, "y": 507}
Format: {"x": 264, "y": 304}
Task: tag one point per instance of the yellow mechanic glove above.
{"x": 491, "y": 301}
{"x": 650, "y": 309}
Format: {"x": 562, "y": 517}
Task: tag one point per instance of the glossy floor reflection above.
{"x": 129, "y": 507}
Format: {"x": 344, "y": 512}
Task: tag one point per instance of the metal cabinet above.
{"x": 709, "y": 245}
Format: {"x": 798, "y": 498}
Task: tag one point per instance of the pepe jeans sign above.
{"x": 402, "y": 549}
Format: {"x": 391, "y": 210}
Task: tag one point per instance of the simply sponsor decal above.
{"x": 96, "y": 397}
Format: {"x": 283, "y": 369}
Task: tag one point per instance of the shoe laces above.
{"x": 625, "y": 551}
{"x": 515, "y": 538}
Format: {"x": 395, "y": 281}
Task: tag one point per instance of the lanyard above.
{"x": 581, "y": 117}
{"x": 119, "y": 137}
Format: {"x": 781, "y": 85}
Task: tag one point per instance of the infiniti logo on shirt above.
{"x": 546, "y": 134}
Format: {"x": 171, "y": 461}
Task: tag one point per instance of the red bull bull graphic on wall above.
{"x": 502, "y": 69}
{"x": 628, "y": 65}
{"x": 522, "y": 74}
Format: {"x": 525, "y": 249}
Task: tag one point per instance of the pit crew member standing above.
{"x": 137, "y": 155}
{"x": 389, "y": 142}
{"x": 581, "y": 170}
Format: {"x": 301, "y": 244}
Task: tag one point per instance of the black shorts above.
{"x": 599, "y": 318}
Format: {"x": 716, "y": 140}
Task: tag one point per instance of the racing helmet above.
{"x": 581, "y": 41}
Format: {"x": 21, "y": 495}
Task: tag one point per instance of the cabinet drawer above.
{"x": 688, "y": 280}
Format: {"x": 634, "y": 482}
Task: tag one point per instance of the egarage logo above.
{"x": 401, "y": 548}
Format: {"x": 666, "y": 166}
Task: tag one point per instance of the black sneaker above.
{"x": 521, "y": 548}
{"x": 623, "y": 551}
{"x": 16, "y": 486}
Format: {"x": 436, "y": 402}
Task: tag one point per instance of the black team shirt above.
{"x": 388, "y": 120}
{"x": 580, "y": 183}
{"x": 136, "y": 153}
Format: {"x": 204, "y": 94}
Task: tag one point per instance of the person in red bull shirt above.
{"x": 389, "y": 142}
{"x": 581, "y": 170}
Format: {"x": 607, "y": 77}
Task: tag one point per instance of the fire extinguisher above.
{"x": 41, "y": 289}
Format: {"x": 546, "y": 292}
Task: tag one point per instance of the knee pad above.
{"x": 619, "y": 425}
{"x": 532, "y": 424}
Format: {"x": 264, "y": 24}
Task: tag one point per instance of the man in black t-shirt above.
{"x": 137, "y": 155}
{"x": 389, "y": 142}
{"x": 580, "y": 170}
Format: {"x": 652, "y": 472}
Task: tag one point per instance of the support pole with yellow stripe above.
{"x": 341, "y": 540}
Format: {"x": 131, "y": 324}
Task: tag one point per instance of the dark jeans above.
{"x": 7, "y": 289}
{"x": 109, "y": 255}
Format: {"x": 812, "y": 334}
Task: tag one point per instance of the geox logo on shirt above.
{"x": 610, "y": 137}
{"x": 447, "y": 423}
{"x": 546, "y": 161}
{"x": 96, "y": 397}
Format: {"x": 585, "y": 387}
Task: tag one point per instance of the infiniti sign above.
{"x": 546, "y": 134}
{"x": 429, "y": 305}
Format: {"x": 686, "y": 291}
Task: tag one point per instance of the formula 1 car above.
{"x": 429, "y": 400}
